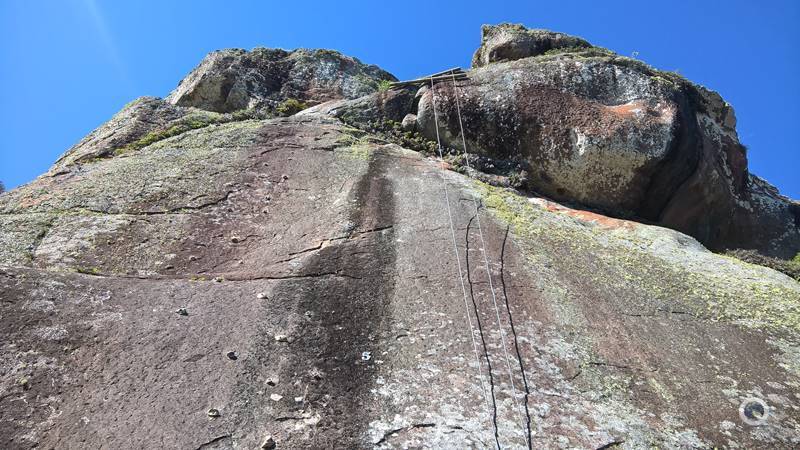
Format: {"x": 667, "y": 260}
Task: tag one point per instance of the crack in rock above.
{"x": 396, "y": 431}
{"x": 214, "y": 441}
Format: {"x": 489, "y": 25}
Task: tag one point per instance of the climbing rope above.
{"x": 488, "y": 271}
{"x": 460, "y": 273}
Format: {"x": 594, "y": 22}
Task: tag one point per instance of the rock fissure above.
{"x": 391, "y": 433}
{"x": 515, "y": 339}
{"x": 478, "y": 321}
{"x": 214, "y": 441}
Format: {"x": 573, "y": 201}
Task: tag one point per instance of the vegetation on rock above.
{"x": 625, "y": 264}
{"x": 384, "y": 85}
{"x": 191, "y": 122}
{"x": 791, "y": 267}
{"x": 393, "y": 132}
{"x": 611, "y": 133}
{"x": 290, "y": 107}
{"x": 233, "y": 79}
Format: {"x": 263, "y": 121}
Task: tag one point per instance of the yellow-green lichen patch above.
{"x": 660, "y": 389}
{"x": 20, "y": 235}
{"x": 290, "y": 107}
{"x": 190, "y": 122}
{"x": 352, "y": 147}
{"x": 361, "y": 151}
{"x": 652, "y": 265}
{"x": 88, "y": 270}
{"x": 789, "y": 356}
{"x": 194, "y": 121}
{"x": 214, "y": 135}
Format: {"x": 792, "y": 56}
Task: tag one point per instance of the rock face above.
{"x": 612, "y": 133}
{"x": 509, "y": 42}
{"x": 292, "y": 283}
{"x": 390, "y": 105}
{"x": 235, "y": 79}
{"x": 230, "y": 85}
{"x": 136, "y": 120}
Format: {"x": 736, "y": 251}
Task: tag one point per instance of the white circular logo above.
{"x": 754, "y": 411}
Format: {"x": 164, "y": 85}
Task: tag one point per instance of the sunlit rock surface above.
{"x": 249, "y": 279}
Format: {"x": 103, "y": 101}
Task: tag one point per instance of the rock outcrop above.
{"x": 290, "y": 282}
{"x": 231, "y": 85}
{"x": 235, "y": 79}
{"x": 138, "y": 119}
{"x": 507, "y": 42}
{"x": 612, "y": 133}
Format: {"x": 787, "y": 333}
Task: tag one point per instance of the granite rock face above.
{"x": 509, "y": 42}
{"x": 230, "y": 80}
{"x": 187, "y": 278}
{"x": 612, "y": 133}
{"x": 134, "y": 121}
{"x": 230, "y": 85}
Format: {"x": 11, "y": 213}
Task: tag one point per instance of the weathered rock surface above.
{"x": 509, "y": 42}
{"x": 230, "y": 85}
{"x": 134, "y": 121}
{"x": 234, "y": 79}
{"x": 392, "y": 105}
{"x": 612, "y": 133}
{"x": 321, "y": 256}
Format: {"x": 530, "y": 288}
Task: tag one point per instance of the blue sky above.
{"x": 69, "y": 65}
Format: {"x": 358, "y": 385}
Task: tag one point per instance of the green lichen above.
{"x": 355, "y": 148}
{"x": 789, "y": 357}
{"x": 384, "y": 85}
{"x": 326, "y": 52}
{"x": 88, "y": 270}
{"x": 372, "y": 83}
{"x": 392, "y": 131}
{"x": 359, "y": 151}
{"x": 600, "y": 54}
{"x": 188, "y": 123}
{"x": 290, "y": 107}
{"x": 133, "y": 102}
{"x": 633, "y": 265}
{"x": 790, "y": 267}
{"x": 660, "y": 389}
{"x": 511, "y": 209}
{"x": 579, "y": 51}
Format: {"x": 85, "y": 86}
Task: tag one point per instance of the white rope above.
{"x": 488, "y": 272}
{"x": 458, "y": 259}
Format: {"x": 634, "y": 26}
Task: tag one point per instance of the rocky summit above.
{"x": 274, "y": 256}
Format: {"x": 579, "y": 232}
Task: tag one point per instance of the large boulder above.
{"x": 392, "y": 105}
{"x": 230, "y": 85}
{"x": 234, "y": 79}
{"x": 509, "y": 41}
{"x": 613, "y": 133}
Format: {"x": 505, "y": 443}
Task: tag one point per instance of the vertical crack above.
{"x": 483, "y": 339}
{"x": 39, "y": 238}
{"x": 514, "y": 334}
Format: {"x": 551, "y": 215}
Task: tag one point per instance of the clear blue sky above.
{"x": 69, "y": 65}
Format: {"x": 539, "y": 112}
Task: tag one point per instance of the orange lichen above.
{"x": 627, "y": 109}
{"x": 586, "y": 216}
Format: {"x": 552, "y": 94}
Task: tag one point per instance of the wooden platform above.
{"x": 449, "y": 74}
